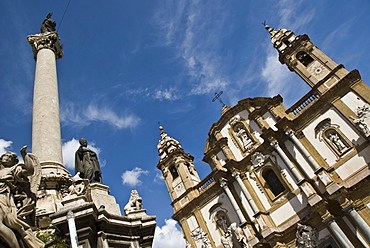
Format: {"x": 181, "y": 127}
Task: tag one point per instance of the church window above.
{"x": 174, "y": 172}
{"x": 304, "y": 58}
{"x": 273, "y": 182}
{"x": 286, "y": 42}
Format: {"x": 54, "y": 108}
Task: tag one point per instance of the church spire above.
{"x": 304, "y": 58}
{"x": 177, "y": 166}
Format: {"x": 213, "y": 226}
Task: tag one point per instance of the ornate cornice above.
{"x": 49, "y": 40}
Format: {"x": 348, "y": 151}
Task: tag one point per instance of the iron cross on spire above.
{"x": 218, "y": 97}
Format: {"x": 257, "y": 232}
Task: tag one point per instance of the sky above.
{"x": 131, "y": 64}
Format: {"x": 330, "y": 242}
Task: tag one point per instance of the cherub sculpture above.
{"x": 18, "y": 184}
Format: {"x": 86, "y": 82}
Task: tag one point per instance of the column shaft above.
{"x": 46, "y": 136}
{"x": 361, "y": 224}
{"x": 233, "y": 202}
{"x": 250, "y": 201}
{"x": 340, "y": 235}
{"x": 286, "y": 160}
{"x": 303, "y": 150}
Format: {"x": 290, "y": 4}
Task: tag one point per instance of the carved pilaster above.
{"x": 49, "y": 40}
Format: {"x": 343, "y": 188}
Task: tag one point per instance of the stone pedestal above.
{"x": 100, "y": 196}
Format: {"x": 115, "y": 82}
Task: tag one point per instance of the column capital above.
{"x": 49, "y": 40}
{"x": 289, "y": 132}
{"x": 274, "y": 143}
{"x": 235, "y": 174}
{"x": 70, "y": 215}
{"x": 223, "y": 183}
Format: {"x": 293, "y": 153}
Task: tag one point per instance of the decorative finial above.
{"x": 160, "y": 127}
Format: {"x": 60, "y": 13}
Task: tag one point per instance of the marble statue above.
{"x": 243, "y": 136}
{"x": 18, "y": 184}
{"x": 307, "y": 236}
{"x": 48, "y": 25}
{"x": 336, "y": 141}
{"x": 239, "y": 235}
{"x": 361, "y": 124}
{"x": 86, "y": 162}
{"x": 134, "y": 203}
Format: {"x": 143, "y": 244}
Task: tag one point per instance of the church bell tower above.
{"x": 177, "y": 166}
{"x": 304, "y": 58}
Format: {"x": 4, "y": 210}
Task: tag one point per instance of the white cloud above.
{"x": 166, "y": 94}
{"x": 5, "y": 145}
{"x": 83, "y": 117}
{"x": 131, "y": 177}
{"x": 275, "y": 74}
{"x": 159, "y": 178}
{"x": 168, "y": 236}
{"x": 69, "y": 149}
{"x": 198, "y": 43}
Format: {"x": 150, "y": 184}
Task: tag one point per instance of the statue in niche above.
{"x": 307, "y": 236}
{"x": 87, "y": 164}
{"x": 18, "y": 184}
{"x": 222, "y": 222}
{"x": 336, "y": 141}
{"x": 134, "y": 203}
{"x": 48, "y": 25}
{"x": 243, "y": 136}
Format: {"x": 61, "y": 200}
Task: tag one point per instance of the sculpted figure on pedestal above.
{"x": 134, "y": 204}
{"x": 86, "y": 162}
{"x": 48, "y": 25}
{"x": 18, "y": 184}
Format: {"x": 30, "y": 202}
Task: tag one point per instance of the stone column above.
{"x": 72, "y": 229}
{"x": 360, "y": 223}
{"x": 238, "y": 211}
{"x": 46, "y": 137}
{"x": 303, "y": 150}
{"x": 292, "y": 168}
{"x": 251, "y": 203}
{"x": 338, "y": 233}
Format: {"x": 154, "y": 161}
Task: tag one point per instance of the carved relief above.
{"x": 307, "y": 236}
{"x": 257, "y": 160}
{"x": 201, "y": 237}
{"x": 363, "y": 114}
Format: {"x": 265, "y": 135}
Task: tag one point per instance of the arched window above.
{"x": 273, "y": 182}
{"x": 174, "y": 172}
{"x": 304, "y": 58}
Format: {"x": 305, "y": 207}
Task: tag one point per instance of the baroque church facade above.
{"x": 281, "y": 177}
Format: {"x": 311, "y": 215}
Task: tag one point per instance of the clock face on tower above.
{"x": 317, "y": 70}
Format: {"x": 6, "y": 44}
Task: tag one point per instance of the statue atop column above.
{"x": 18, "y": 185}
{"x": 86, "y": 162}
{"x": 48, "y": 25}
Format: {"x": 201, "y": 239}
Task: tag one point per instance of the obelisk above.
{"x": 46, "y": 134}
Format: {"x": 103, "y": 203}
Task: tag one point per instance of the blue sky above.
{"x": 131, "y": 64}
